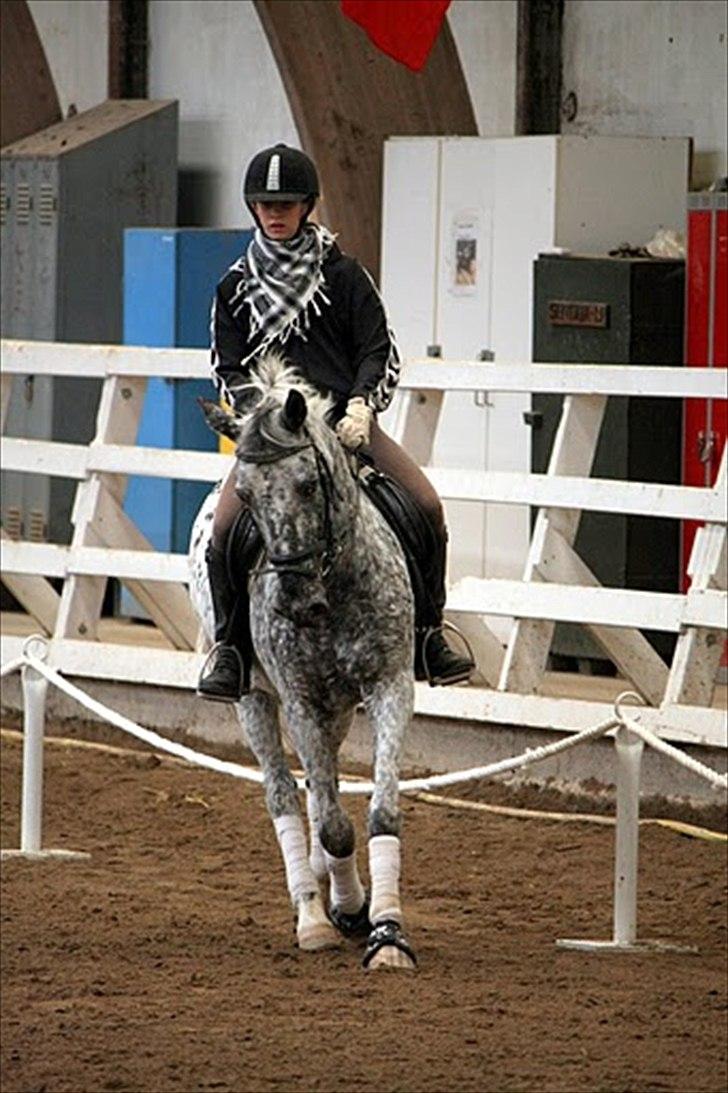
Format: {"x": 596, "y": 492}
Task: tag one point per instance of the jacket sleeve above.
{"x": 376, "y": 362}
{"x": 228, "y": 347}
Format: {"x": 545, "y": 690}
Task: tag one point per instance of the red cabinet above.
{"x": 706, "y": 344}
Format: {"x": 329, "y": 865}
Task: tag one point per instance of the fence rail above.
{"x": 556, "y": 584}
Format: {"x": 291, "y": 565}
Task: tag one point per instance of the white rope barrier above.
{"x": 720, "y": 781}
{"x": 236, "y": 770}
{"x": 147, "y": 735}
{"x": 409, "y": 785}
{"x": 11, "y": 666}
{"x": 630, "y": 739}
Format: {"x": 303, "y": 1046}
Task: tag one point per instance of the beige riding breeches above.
{"x": 389, "y": 458}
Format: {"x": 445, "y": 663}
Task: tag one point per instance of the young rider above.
{"x": 296, "y": 292}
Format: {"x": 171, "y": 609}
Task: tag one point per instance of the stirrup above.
{"x": 436, "y": 681}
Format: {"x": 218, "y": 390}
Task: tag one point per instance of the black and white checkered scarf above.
{"x": 284, "y": 284}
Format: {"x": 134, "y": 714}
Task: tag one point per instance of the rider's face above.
{"x": 280, "y": 220}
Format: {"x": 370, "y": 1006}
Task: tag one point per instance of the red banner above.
{"x": 403, "y": 29}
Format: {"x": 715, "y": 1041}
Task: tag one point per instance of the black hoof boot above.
{"x": 224, "y": 681}
{"x": 384, "y": 933}
{"x": 351, "y": 925}
{"x": 439, "y": 664}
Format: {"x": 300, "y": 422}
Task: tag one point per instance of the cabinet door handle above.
{"x": 706, "y": 445}
{"x": 534, "y": 418}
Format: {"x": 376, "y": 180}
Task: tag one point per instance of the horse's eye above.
{"x": 307, "y": 489}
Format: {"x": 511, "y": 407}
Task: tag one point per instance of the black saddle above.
{"x": 415, "y": 534}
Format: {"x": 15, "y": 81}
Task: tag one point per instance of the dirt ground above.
{"x": 167, "y": 963}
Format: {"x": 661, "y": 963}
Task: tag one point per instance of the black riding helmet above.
{"x": 281, "y": 173}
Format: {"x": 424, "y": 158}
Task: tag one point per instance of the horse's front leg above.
{"x": 333, "y": 849}
{"x": 258, "y": 713}
{"x": 389, "y": 707}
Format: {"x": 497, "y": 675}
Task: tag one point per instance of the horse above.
{"x": 332, "y": 626}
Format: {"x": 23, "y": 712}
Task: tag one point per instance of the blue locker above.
{"x": 170, "y": 276}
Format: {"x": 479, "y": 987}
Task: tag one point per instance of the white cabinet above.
{"x": 463, "y": 219}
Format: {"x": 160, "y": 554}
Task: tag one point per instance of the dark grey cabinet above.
{"x": 602, "y": 310}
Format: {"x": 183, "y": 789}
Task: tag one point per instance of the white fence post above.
{"x": 629, "y": 748}
{"x": 35, "y": 690}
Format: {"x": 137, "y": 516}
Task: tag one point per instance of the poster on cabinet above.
{"x": 466, "y": 252}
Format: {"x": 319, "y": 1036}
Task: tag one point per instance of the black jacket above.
{"x": 349, "y": 348}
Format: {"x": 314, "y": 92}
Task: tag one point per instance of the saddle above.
{"x": 405, "y": 517}
{"x": 415, "y": 535}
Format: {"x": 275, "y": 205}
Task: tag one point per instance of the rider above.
{"x": 296, "y": 292}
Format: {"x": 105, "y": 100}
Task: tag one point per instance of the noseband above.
{"x": 328, "y": 550}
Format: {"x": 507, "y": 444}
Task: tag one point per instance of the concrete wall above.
{"x": 650, "y": 68}
{"x": 214, "y": 57}
{"x": 75, "y": 37}
{"x": 485, "y": 36}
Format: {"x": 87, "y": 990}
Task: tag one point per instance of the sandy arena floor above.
{"x": 167, "y": 962}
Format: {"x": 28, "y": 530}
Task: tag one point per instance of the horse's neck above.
{"x": 364, "y": 557}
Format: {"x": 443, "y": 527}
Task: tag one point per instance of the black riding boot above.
{"x": 435, "y": 660}
{"x": 224, "y": 680}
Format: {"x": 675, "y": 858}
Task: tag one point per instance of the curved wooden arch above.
{"x": 347, "y": 97}
{"x": 29, "y": 98}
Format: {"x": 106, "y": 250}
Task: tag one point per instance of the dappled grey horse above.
{"x": 332, "y": 625}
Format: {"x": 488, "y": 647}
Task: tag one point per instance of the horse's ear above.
{"x": 294, "y": 411}
{"x": 219, "y": 420}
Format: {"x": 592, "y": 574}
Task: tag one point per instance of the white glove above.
{"x": 355, "y": 426}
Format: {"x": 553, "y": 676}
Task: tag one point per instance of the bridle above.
{"x": 328, "y": 549}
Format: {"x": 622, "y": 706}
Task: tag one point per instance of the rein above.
{"x": 329, "y": 548}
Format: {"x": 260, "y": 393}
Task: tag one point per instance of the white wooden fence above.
{"x": 556, "y": 585}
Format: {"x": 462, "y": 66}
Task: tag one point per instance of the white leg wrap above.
{"x": 292, "y": 841}
{"x": 384, "y": 870}
{"x": 346, "y": 889}
{"x": 316, "y": 858}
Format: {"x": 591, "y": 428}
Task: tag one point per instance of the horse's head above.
{"x": 293, "y": 475}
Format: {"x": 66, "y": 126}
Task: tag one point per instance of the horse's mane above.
{"x": 269, "y": 384}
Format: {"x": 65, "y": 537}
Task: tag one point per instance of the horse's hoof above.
{"x": 313, "y": 929}
{"x": 319, "y": 935}
{"x": 391, "y": 957}
{"x": 351, "y": 925}
{"x": 387, "y": 947}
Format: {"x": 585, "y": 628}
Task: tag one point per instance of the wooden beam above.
{"x": 418, "y": 374}
{"x": 629, "y": 650}
{"x": 166, "y": 602}
{"x": 128, "y": 49}
{"x": 34, "y": 593}
{"x": 346, "y": 97}
{"x": 536, "y": 600}
{"x": 699, "y": 650}
{"x": 572, "y": 454}
{"x": 538, "y": 66}
{"x": 126, "y": 564}
{"x": 119, "y": 412}
{"x": 28, "y": 96}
